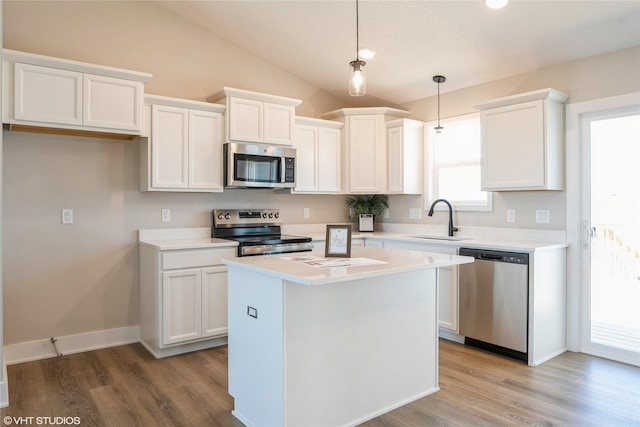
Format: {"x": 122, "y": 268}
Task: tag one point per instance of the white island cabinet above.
{"x": 43, "y": 93}
{"x": 183, "y": 292}
{"x": 332, "y": 346}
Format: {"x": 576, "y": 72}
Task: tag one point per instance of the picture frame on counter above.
{"x": 338, "y": 241}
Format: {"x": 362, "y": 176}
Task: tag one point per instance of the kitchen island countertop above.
{"x": 303, "y": 268}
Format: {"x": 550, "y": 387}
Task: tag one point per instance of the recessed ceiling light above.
{"x": 366, "y": 53}
{"x": 496, "y": 4}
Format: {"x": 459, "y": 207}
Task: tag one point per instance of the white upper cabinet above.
{"x": 257, "y": 117}
{"x": 404, "y": 156}
{"x": 365, "y": 160}
{"x": 183, "y": 148}
{"x": 522, "y": 142}
{"x": 52, "y": 93}
{"x": 318, "y": 156}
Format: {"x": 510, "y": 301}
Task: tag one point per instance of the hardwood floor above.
{"x": 126, "y": 386}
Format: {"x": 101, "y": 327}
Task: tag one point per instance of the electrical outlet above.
{"x": 166, "y": 215}
{"x": 542, "y": 216}
{"x": 511, "y": 215}
{"x": 415, "y": 213}
{"x": 67, "y": 216}
{"x": 386, "y": 212}
{"x": 305, "y": 213}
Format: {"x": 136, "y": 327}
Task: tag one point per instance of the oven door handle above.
{"x": 275, "y": 249}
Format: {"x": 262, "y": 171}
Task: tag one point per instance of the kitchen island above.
{"x": 326, "y": 342}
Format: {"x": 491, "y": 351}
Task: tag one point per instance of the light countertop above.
{"x": 199, "y": 238}
{"x": 458, "y": 242}
{"x": 175, "y": 244}
{"x": 393, "y": 261}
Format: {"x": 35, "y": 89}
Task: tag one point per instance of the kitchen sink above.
{"x": 453, "y": 238}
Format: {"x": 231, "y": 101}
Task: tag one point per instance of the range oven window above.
{"x": 250, "y": 168}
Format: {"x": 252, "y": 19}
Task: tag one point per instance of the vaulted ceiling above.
{"x": 465, "y": 41}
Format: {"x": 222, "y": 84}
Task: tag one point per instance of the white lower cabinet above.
{"x": 447, "y": 283}
{"x": 194, "y": 304}
{"x": 183, "y": 299}
{"x": 181, "y": 306}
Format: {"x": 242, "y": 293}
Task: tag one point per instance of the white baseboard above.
{"x": 43, "y": 349}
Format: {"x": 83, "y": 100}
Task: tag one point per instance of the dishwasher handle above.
{"x": 493, "y": 257}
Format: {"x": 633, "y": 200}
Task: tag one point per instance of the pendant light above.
{"x": 496, "y": 4}
{"x": 439, "y": 79}
{"x": 357, "y": 81}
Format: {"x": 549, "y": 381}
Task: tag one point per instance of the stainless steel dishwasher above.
{"x": 494, "y": 292}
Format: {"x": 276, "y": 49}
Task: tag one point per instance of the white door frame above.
{"x": 576, "y": 294}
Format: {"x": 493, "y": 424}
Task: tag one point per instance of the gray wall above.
{"x": 61, "y": 280}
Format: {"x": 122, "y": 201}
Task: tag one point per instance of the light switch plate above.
{"x": 511, "y": 215}
{"x": 67, "y": 216}
{"x": 166, "y": 215}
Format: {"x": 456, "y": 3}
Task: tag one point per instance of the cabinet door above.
{"x": 169, "y": 147}
{"x": 47, "y": 95}
{"x": 306, "y": 145}
{"x": 205, "y": 150}
{"x": 214, "y": 301}
{"x": 245, "y": 120}
{"x": 181, "y": 306}
{"x": 112, "y": 103}
{"x": 395, "y": 159}
{"x": 278, "y": 123}
{"x": 329, "y": 163}
{"x": 513, "y": 147}
{"x": 448, "y": 298}
{"x": 365, "y": 156}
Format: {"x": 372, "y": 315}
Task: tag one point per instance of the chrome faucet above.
{"x": 452, "y": 229}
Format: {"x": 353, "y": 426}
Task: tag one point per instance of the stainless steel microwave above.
{"x": 251, "y": 165}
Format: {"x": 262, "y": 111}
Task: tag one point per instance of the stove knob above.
{"x": 277, "y": 215}
{"x": 271, "y": 215}
{"x": 227, "y": 216}
{"x": 220, "y": 215}
{"x": 264, "y": 214}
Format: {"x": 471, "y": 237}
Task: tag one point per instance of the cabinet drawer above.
{"x": 195, "y": 258}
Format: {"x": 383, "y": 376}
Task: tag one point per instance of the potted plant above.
{"x": 367, "y": 206}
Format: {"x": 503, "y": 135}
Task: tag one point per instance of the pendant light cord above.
{"x": 438, "y": 104}
{"x": 357, "y": 32}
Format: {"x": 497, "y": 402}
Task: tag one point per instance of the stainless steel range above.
{"x": 257, "y": 231}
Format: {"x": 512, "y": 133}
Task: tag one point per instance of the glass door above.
{"x": 611, "y": 226}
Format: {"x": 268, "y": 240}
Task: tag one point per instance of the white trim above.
{"x": 77, "y": 66}
{"x": 70, "y": 344}
{"x": 430, "y": 175}
{"x": 4, "y": 387}
{"x": 574, "y": 114}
